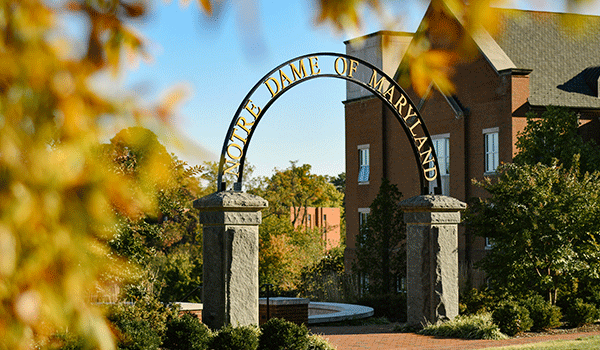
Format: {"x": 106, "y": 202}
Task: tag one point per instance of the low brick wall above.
{"x": 292, "y": 309}
{"x": 192, "y": 308}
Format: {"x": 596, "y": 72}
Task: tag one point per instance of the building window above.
{"x": 488, "y": 243}
{"x": 309, "y": 224}
{"x": 441, "y": 144}
{"x": 363, "y": 214}
{"x": 491, "y": 150}
{"x": 363, "y": 164}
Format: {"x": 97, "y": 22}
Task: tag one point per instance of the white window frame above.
{"x": 444, "y": 162}
{"x": 363, "y": 213}
{"x": 364, "y": 163}
{"x": 491, "y": 153}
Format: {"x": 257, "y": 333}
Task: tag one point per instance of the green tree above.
{"x": 380, "y": 248}
{"x": 554, "y": 136}
{"x": 286, "y": 245}
{"x": 165, "y": 240}
{"x": 542, "y": 222}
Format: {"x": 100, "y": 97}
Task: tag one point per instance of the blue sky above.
{"x": 220, "y": 63}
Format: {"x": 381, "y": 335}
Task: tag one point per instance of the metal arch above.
{"x": 424, "y": 188}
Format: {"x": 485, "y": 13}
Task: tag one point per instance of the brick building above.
{"x": 531, "y": 63}
{"x": 326, "y": 219}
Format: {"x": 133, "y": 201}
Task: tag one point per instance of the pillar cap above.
{"x": 232, "y": 199}
{"x": 430, "y": 202}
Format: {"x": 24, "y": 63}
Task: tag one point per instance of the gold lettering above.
{"x": 235, "y": 145}
{"x": 353, "y": 66}
{"x": 420, "y": 141}
{"x": 428, "y": 170}
{"x": 273, "y": 93}
{"x": 411, "y": 113}
{"x": 402, "y": 101}
{"x": 376, "y": 85}
{"x": 230, "y": 169}
{"x": 389, "y": 93}
{"x": 242, "y": 124}
{"x": 298, "y": 74}
{"x": 314, "y": 65}
{"x": 284, "y": 78}
{"x": 237, "y": 136}
{"x": 335, "y": 65}
{"x": 251, "y": 108}
{"x": 412, "y": 127}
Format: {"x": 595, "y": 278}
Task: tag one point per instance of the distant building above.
{"x": 530, "y": 64}
{"x": 326, "y": 219}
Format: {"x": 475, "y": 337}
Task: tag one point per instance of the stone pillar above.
{"x": 230, "y": 257}
{"x": 432, "y": 257}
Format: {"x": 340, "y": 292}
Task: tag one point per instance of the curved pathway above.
{"x": 382, "y": 337}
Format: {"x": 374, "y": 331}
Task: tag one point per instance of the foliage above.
{"x": 236, "y": 338}
{"x": 296, "y": 189}
{"x": 479, "y": 326}
{"x": 210, "y": 173}
{"x": 286, "y": 245}
{"x": 476, "y": 301}
{"x": 281, "y": 334}
{"x": 316, "y": 342}
{"x": 511, "y": 317}
{"x": 554, "y": 136}
{"x": 140, "y": 325}
{"x": 579, "y": 313}
{"x": 541, "y": 220}
{"x": 186, "y": 332}
{"x": 57, "y": 193}
{"x": 380, "y": 248}
{"x": 320, "y": 281}
{"x": 391, "y": 306}
{"x": 543, "y": 314}
{"x": 165, "y": 241}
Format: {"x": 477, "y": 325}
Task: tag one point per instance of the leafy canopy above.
{"x": 380, "y": 251}
{"x": 542, "y": 222}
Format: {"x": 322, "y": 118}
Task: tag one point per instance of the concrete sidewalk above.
{"x": 382, "y": 337}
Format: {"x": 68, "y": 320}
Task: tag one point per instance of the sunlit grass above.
{"x": 584, "y": 343}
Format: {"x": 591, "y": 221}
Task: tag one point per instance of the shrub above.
{"x": 512, "y": 318}
{"x": 478, "y": 326}
{"x": 281, "y": 334}
{"x": 579, "y": 313}
{"x": 475, "y": 301}
{"x": 65, "y": 341}
{"x": 315, "y": 342}
{"x": 236, "y": 338}
{"x": 390, "y": 306}
{"x": 543, "y": 314}
{"x": 186, "y": 333}
{"x": 140, "y": 325}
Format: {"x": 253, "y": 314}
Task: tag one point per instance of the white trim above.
{"x": 441, "y": 136}
{"x": 365, "y": 146}
{"x": 490, "y": 130}
{"x": 364, "y": 210}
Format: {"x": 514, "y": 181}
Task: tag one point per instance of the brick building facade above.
{"x": 533, "y": 62}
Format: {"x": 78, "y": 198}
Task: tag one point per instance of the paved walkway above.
{"x": 382, "y": 337}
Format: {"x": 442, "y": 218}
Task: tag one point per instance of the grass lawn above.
{"x": 583, "y": 343}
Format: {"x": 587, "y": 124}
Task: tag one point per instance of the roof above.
{"x": 561, "y": 49}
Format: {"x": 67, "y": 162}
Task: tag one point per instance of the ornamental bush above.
{"x": 236, "y": 338}
{"x": 543, "y": 314}
{"x": 479, "y": 326}
{"x": 186, "y": 333}
{"x": 579, "y": 313}
{"x": 512, "y": 318}
{"x": 280, "y": 334}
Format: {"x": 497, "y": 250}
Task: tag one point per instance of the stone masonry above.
{"x": 432, "y": 257}
{"x": 230, "y": 252}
